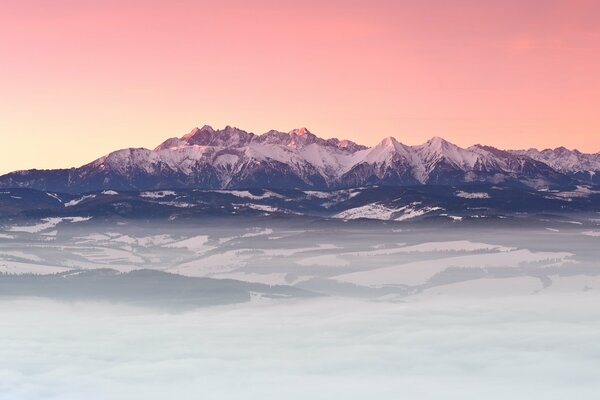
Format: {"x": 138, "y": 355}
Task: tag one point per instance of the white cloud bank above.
{"x": 534, "y": 347}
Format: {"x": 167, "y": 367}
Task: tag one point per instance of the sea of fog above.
{"x": 301, "y": 309}
{"x": 544, "y": 346}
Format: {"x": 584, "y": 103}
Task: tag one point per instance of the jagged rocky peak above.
{"x": 561, "y": 151}
{"x": 208, "y": 136}
{"x": 302, "y": 137}
{"x": 438, "y": 149}
{"x": 227, "y": 137}
{"x": 301, "y": 132}
{"x": 485, "y": 149}
{"x": 273, "y": 137}
{"x": 196, "y": 131}
{"x": 233, "y": 137}
{"x": 346, "y": 145}
{"x": 563, "y": 159}
{"x": 230, "y": 157}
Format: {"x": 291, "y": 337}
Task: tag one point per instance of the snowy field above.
{"x": 349, "y": 258}
{"x": 401, "y": 311}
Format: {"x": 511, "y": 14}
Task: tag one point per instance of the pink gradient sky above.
{"x": 80, "y": 78}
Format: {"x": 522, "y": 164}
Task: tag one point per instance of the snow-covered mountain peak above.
{"x": 300, "y": 132}
{"x": 563, "y": 159}
{"x": 392, "y": 144}
{"x": 388, "y": 151}
{"x": 440, "y": 145}
{"x": 437, "y": 141}
{"x": 233, "y": 158}
{"x": 195, "y": 131}
{"x": 437, "y": 150}
{"x": 302, "y": 137}
{"x": 344, "y": 144}
{"x": 207, "y": 136}
{"x": 437, "y": 146}
{"x": 232, "y": 137}
{"x": 389, "y": 141}
{"x": 488, "y": 151}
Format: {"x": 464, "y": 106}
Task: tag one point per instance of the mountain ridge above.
{"x": 232, "y": 158}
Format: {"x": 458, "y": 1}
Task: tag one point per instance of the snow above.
{"x": 193, "y": 243}
{"x": 382, "y": 212}
{"x": 571, "y": 222}
{"x": 220, "y": 263}
{"x": 247, "y": 195}
{"x": 369, "y": 211}
{"x": 419, "y": 272}
{"x": 275, "y": 278}
{"x": 54, "y": 196}
{"x": 19, "y": 254}
{"x": 158, "y": 194}
{"x": 144, "y": 241}
{"x": 564, "y": 160}
{"x": 261, "y": 232}
{"x": 231, "y": 150}
{"x": 178, "y": 204}
{"x": 452, "y": 217}
{"x": 116, "y": 257}
{"x": 223, "y": 160}
{"x": 409, "y": 213}
{"x": 591, "y": 233}
{"x": 472, "y": 195}
{"x": 317, "y": 194}
{"x": 437, "y": 149}
{"x": 262, "y": 207}
{"x": 16, "y": 267}
{"x": 432, "y": 247}
{"x": 47, "y": 223}
{"x": 457, "y": 245}
{"x": 79, "y": 200}
{"x": 93, "y": 237}
{"x": 283, "y": 252}
{"x": 580, "y": 191}
{"x": 326, "y": 260}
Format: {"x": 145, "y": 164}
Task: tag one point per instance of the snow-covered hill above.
{"x": 232, "y": 158}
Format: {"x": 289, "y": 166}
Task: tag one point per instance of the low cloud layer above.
{"x": 535, "y": 347}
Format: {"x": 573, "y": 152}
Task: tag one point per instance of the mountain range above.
{"x": 232, "y": 158}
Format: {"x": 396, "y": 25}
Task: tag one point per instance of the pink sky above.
{"x": 80, "y": 78}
